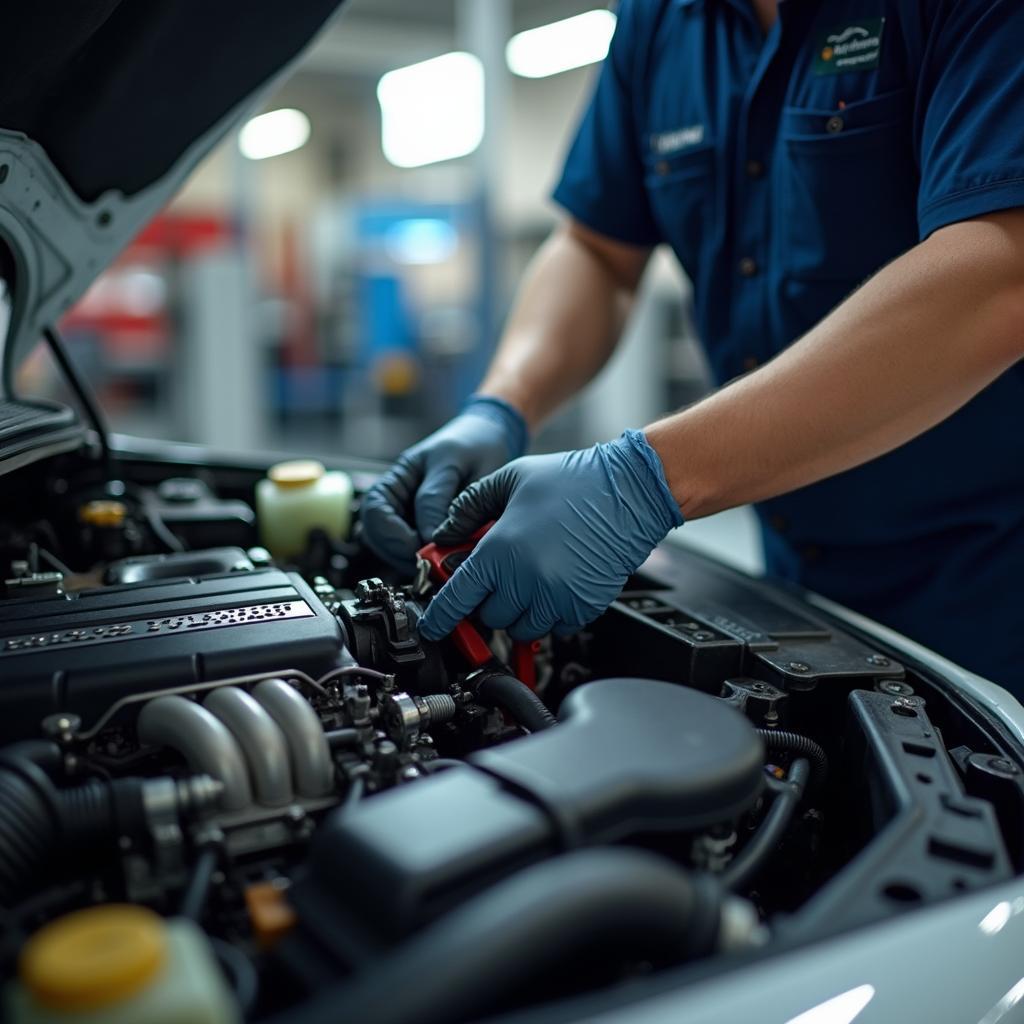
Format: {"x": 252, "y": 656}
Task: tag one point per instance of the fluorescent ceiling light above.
{"x": 562, "y": 45}
{"x": 433, "y": 110}
{"x": 272, "y": 134}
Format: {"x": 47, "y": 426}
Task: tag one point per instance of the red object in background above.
{"x": 134, "y": 322}
{"x": 443, "y": 562}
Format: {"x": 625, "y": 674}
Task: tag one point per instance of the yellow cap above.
{"x": 95, "y": 957}
{"x": 103, "y": 513}
{"x": 299, "y": 473}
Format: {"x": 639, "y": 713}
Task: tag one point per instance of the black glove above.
{"x": 421, "y": 484}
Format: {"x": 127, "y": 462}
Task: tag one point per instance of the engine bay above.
{"x": 331, "y": 816}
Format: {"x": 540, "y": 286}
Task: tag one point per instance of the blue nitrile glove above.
{"x": 571, "y": 528}
{"x": 420, "y": 486}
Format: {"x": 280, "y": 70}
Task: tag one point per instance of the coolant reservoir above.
{"x": 296, "y": 497}
{"x": 119, "y": 964}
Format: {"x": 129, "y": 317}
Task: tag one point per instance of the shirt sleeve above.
{"x": 602, "y": 183}
{"x": 970, "y": 112}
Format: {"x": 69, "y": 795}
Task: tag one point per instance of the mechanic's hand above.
{"x": 420, "y": 486}
{"x": 571, "y": 528}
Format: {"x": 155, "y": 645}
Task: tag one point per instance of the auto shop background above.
{"x": 334, "y": 277}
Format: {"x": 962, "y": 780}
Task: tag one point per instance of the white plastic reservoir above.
{"x": 299, "y": 496}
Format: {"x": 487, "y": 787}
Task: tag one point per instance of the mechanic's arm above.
{"x": 567, "y": 320}
{"x": 909, "y": 348}
{"x": 915, "y": 343}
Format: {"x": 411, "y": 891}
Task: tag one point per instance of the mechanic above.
{"x": 842, "y": 180}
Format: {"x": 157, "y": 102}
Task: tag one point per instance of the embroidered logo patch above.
{"x": 854, "y": 46}
{"x": 664, "y": 143}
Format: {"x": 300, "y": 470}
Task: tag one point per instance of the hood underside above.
{"x": 105, "y": 108}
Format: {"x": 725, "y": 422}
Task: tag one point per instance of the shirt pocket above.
{"x": 680, "y": 189}
{"x": 847, "y": 188}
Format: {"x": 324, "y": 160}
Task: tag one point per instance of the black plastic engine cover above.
{"x": 635, "y": 755}
{"x": 630, "y": 756}
{"x": 80, "y": 653}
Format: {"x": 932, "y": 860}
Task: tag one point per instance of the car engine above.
{"x": 347, "y": 821}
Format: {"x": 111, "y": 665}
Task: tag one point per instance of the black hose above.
{"x": 763, "y": 842}
{"x": 29, "y": 827}
{"x": 356, "y": 792}
{"x": 88, "y": 812}
{"x": 588, "y": 906}
{"x": 43, "y": 753}
{"x": 40, "y": 822}
{"x": 343, "y": 738}
{"x": 503, "y": 691}
{"x": 240, "y": 973}
{"x": 193, "y": 903}
{"x": 160, "y": 529}
{"x": 800, "y": 746}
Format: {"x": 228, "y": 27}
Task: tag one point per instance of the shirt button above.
{"x": 748, "y": 266}
{"x": 661, "y": 167}
{"x": 754, "y": 168}
{"x": 834, "y": 125}
{"x": 751, "y": 363}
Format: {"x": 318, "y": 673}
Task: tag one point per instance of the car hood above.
{"x": 106, "y": 106}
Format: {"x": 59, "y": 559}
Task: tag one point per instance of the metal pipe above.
{"x": 312, "y": 767}
{"x": 205, "y": 742}
{"x": 262, "y": 741}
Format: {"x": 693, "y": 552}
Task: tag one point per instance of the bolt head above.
{"x": 799, "y": 666}
{"x": 1003, "y": 765}
{"x": 894, "y": 688}
{"x": 877, "y": 659}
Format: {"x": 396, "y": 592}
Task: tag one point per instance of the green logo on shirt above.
{"x": 851, "y": 47}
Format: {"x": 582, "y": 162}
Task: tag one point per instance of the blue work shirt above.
{"x": 784, "y": 168}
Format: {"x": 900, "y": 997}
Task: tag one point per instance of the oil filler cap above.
{"x": 94, "y": 958}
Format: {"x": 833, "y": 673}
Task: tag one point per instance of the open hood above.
{"x": 106, "y": 106}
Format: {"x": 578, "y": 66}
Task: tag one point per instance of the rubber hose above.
{"x": 800, "y": 745}
{"x": 29, "y": 827}
{"x": 514, "y": 696}
{"x": 763, "y": 842}
{"x": 43, "y": 753}
{"x": 87, "y": 812}
{"x": 193, "y": 903}
{"x": 588, "y": 904}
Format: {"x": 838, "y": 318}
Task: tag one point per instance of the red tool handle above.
{"x": 443, "y": 562}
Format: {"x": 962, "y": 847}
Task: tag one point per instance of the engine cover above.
{"x": 79, "y": 653}
{"x": 628, "y": 757}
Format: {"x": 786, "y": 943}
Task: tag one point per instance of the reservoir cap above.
{"x": 296, "y": 473}
{"x": 95, "y": 957}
